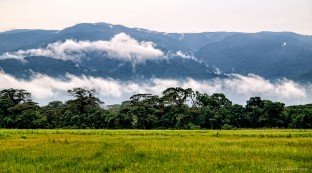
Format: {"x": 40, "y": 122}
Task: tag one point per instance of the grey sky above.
{"x": 162, "y": 15}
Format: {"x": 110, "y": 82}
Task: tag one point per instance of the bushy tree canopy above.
{"x": 177, "y": 108}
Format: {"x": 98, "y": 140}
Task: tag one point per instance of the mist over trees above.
{"x": 176, "y": 108}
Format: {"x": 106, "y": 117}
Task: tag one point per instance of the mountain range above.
{"x": 119, "y": 52}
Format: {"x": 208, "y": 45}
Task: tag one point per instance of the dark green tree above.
{"x": 15, "y": 96}
{"x": 254, "y": 110}
{"x": 177, "y": 96}
{"x": 273, "y": 114}
{"x": 84, "y": 99}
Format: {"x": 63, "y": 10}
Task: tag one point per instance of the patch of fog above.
{"x": 184, "y": 55}
{"x": 237, "y": 88}
{"x": 121, "y": 46}
{"x": 217, "y": 71}
{"x": 181, "y": 36}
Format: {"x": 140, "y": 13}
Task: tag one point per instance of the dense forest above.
{"x": 176, "y": 108}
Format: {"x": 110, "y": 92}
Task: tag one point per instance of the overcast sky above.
{"x": 161, "y": 15}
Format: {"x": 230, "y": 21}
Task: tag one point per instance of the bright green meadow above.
{"x": 155, "y": 150}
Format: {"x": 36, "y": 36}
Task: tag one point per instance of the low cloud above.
{"x": 237, "y": 88}
{"x": 183, "y": 55}
{"x": 121, "y": 46}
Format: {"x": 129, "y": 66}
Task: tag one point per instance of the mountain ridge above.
{"x": 272, "y": 55}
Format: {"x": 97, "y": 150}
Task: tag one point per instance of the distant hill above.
{"x": 23, "y": 39}
{"x": 174, "y": 67}
{"x": 272, "y": 55}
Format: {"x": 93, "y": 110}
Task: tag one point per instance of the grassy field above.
{"x": 155, "y": 151}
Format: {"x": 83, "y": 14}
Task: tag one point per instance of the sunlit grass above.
{"x": 155, "y": 151}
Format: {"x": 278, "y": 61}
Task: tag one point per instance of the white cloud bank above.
{"x": 121, "y": 46}
{"x": 237, "y": 88}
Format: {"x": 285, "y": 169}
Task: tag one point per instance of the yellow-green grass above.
{"x": 155, "y": 151}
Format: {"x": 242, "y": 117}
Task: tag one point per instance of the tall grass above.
{"x": 155, "y": 151}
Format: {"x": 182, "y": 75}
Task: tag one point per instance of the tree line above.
{"x": 176, "y": 108}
